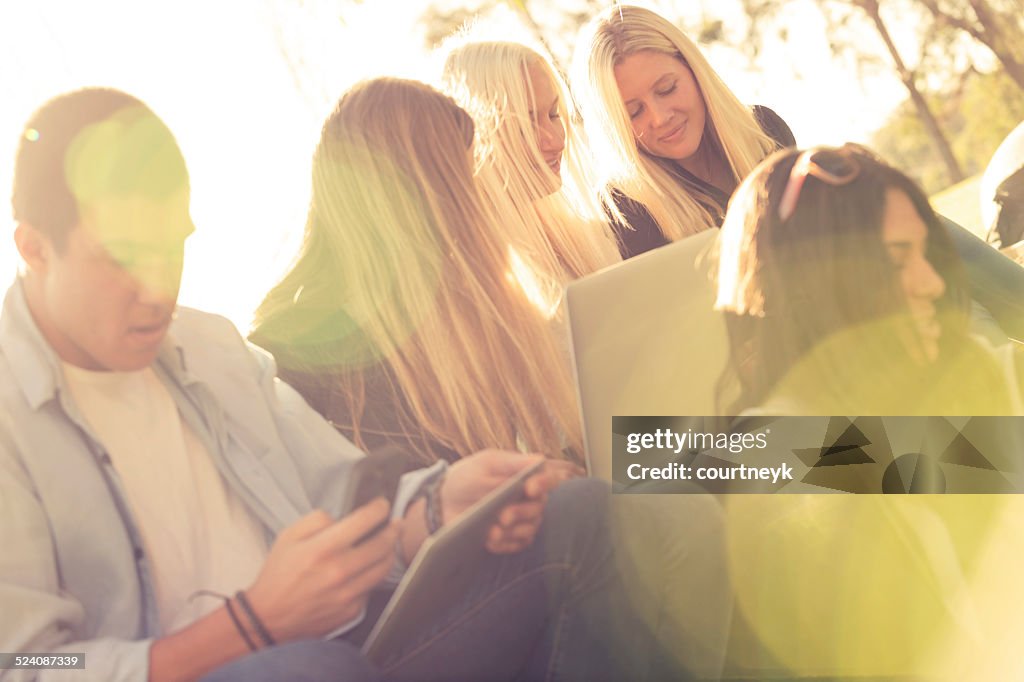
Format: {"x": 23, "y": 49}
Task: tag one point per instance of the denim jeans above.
{"x": 558, "y": 610}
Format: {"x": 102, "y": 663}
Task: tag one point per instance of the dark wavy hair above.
{"x": 814, "y": 307}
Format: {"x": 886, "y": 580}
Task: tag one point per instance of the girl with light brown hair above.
{"x": 400, "y": 320}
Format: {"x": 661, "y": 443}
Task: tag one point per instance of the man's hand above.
{"x": 315, "y": 579}
{"x": 473, "y": 477}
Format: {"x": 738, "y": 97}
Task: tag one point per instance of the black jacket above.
{"x": 314, "y": 351}
{"x": 643, "y": 233}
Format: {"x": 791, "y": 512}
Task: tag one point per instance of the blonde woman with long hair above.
{"x": 399, "y": 321}
{"x": 671, "y": 140}
{"x": 530, "y": 160}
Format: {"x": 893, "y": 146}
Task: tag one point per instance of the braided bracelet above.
{"x": 257, "y": 624}
{"x": 238, "y": 624}
{"x": 231, "y": 612}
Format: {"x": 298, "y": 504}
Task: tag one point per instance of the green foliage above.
{"x": 712, "y": 31}
{"x": 440, "y": 23}
{"x": 556, "y": 24}
{"x": 976, "y": 116}
{"x": 992, "y": 106}
{"x": 904, "y": 143}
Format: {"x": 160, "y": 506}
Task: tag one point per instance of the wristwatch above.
{"x": 432, "y": 511}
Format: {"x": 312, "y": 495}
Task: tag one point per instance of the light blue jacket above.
{"x": 73, "y": 573}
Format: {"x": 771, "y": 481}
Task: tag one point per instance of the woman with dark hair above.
{"x": 846, "y": 296}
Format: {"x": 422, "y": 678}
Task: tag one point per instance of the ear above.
{"x": 36, "y": 248}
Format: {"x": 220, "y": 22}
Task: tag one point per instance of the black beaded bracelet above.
{"x": 231, "y": 612}
{"x": 238, "y": 624}
{"x": 257, "y": 624}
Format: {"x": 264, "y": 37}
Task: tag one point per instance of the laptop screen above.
{"x": 646, "y": 340}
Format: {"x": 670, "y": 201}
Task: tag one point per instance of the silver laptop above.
{"x": 646, "y": 341}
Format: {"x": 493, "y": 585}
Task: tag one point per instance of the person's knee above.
{"x": 304, "y": 661}
{"x": 579, "y": 498}
{"x": 576, "y": 516}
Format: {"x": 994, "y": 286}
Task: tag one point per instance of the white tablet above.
{"x": 441, "y": 569}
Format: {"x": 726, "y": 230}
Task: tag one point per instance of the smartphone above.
{"x": 375, "y": 475}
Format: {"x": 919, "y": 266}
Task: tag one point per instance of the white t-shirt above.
{"x": 197, "y": 533}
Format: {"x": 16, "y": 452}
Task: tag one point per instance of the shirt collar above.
{"x": 33, "y": 362}
{"x": 36, "y": 367}
{"x": 173, "y": 357}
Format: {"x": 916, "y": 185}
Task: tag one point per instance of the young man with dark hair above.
{"x": 150, "y": 460}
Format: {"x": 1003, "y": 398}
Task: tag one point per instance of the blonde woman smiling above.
{"x": 671, "y": 140}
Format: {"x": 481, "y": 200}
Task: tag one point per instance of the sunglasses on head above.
{"x": 836, "y": 166}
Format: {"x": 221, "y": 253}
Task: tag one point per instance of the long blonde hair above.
{"x": 622, "y": 167}
{"x": 402, "y": 266}
{"x": 562, "y": 232}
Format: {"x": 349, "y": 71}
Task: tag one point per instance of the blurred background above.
{"x": 934, "y": 85}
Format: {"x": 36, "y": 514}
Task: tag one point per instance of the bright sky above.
{"x": 213, "y": 70}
